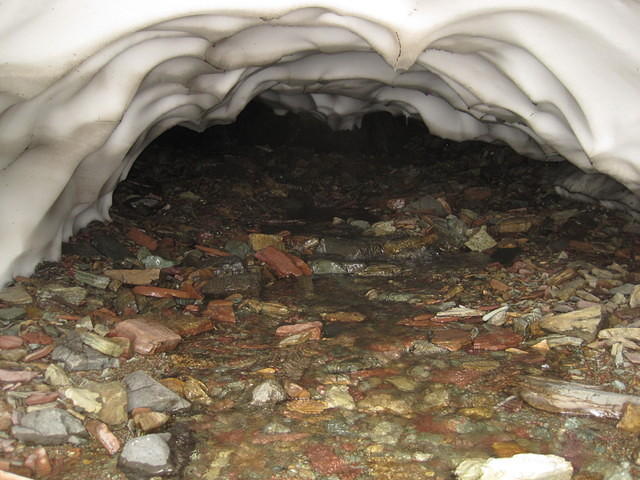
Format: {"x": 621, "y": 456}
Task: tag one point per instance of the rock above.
{"x": 144, "y": 391}
{"x": 515, "y": 224}
{"x": 16, "y": 295}
{"x": 69, "y": 295}
{"x": 498, "y": 339}
{"x": 350, "y": 249}
{"x": 384, "y": 402}
{"x": 381, "y": 229}
{"x": 142, "y": 239}
{"x": 159, "y": 292}
{"x": 148, "y": 420}
{"x": 187, "y": 325}
{"x": 77, "y": 356}
{"x": 259, "y": 241}
{"x": 56, "y": 376}
{"x": 102, "y": 344}
{"x": 148, "y": 455}
{"x": 338, "y": 396}
{"x": 9, "y": 342}
{"x": 110, "y": 247}
{"x": 113, "y": 399}
{"x": 102, "y": 434}
{"x": 428, "y": 205}
{"x": 283, "y": 264}
{"x": 345, "y": 317}
{"x": 634, "y": 298}
{"x": 524, "y": 466}
{"x": 11, "y": 314}
{"x": 268, "y": 392}
{"x": 247, "y": 284}
{"x": 579, "y": 323}
{"x": 238, "y": 248}
{"x": 220, "y": 311}
{"x": 402, "y": 383}
{"x": 630, "y": 421}
{"x": 313, "y": 328}
{"x": 50, "y": 426}
{"x": 96, "y": 281}
{"x": 134, "y": 277}
{"x": 480, "y": 241}
{"x": 85, "y": 400}
{"x": 146, "y": 336}
{"x": 17, "y": 376}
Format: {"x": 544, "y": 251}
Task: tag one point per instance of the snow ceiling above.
{"x": 85, "y": 85}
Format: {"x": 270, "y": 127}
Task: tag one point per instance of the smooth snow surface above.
{"x": 85, "y": 85}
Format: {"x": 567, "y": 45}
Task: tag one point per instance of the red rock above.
{"x": 220, "y": 311}
{"x": 440, "y": 425}
{"x": 102, "y": 434}
{"x": 39, "y": 462}
{"x": 14, "y": 376}
{"x": 38, "y": 338}
{"x": 39, "y": 398}
{"x": 288, "y": 330}
{"x": 284, "y": 265}
{"x": 497, "y": 340}
{"x": 9, "y": 342}
{"x": 159, "y": 292}
{"x": 38, "y": 354}
{"x": 213, "y": 251}
{"x": 142, "y": 239}
{"x": 147, "y": 336}
{"x": 324, "y": 460}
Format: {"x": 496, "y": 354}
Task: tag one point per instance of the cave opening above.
{"x": 376, "y": 303}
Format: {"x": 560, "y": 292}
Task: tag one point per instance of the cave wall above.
{"x": 86, "y": 85}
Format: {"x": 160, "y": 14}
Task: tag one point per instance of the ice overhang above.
{"x": 86, "y": 85}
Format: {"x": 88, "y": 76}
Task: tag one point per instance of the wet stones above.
{"x": 76, "y": 356}
{"x": 147, "y": 455}
{"x": 144, "y": 391}
{"x": 50, "y": 426}
{"x": 268, "y": 392}
{"x": 146, "y": 336}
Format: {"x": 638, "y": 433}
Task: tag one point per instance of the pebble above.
{"x": 50, "y": 426}
{"x": 268, "y": 392}
{"x": 144, "y": 391}
{"x": 102, "y": 434}
{"x": 524, "y": 466}
{"x": 338, "y": 396}
{"x": 148, "y": 455}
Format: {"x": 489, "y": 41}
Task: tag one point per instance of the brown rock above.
{"x": 259, "y": 241}
{"x": 630, "y": 421}
{"x": 288, "y": 330}
{"x": 147, "y": 336}
{"x": 343, "y": 317}
{"x": 283, "y": 264}
{"x": 9, "y": 342}
{"x": 497, "y": 340}
{"x": 134, "y": 277}
{"x": 220, "y": 311}
{"x": 159, "y": 292}
{"x": 147, "y": 420}
{"x": 452, "y": 339}
{"x": 142, "y": 239}
{"x": 506, "y": 449}
{"x": 102, "y": 434}
{"x": 188, "y": 325}
{"x": 515, "y": 225}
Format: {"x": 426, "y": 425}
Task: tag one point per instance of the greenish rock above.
{"x": 11, "y": 314}
{"x": 436, "y": 398}
{"x": 71, "y": 295}
{"x": 16, "y": 295}
{"x": 386, "y": 432}
{"x": 402, "y": 383}
{"x": 97, "y": 281}
{"x": 338, "y": 396}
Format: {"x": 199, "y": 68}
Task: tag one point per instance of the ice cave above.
{"x": 86, "y": 86}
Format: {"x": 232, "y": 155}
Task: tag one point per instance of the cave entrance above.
{"x": 370, "y": 304}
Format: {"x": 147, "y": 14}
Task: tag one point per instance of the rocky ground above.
{"x": 300, "y": 311}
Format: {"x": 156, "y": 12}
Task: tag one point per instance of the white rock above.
{"x": 524, "y": 466}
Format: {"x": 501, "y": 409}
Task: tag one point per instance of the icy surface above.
{"x": 86, "y": 85}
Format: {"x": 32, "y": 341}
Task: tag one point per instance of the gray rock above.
{"x": 75, "y": 355}
{"x": 268, "y": 392}
{"x": 147, "y": 456}
{"x": 12, "y": 313}
{"x": 16, "y": 295}
{"x": 144, "y": 391}
{"x": 50, "y": 426}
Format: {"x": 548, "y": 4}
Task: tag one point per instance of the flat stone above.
{"x": 247, "y": 284}
{"x": 142, "y": 239}
{"x": 102, "y": 344}
{"x": 146, "y": 336}
{"x": 220, "y": 311}
{"x": 16, "y": 295}
{"x": 258, "y": 241}
{"x": 83, "y": 399}
{"x": 51, "y": 426}
{"x": 283, "y": 264}
{"x": 524, "y": 466}
{"x": 144, "y": 391}
{"x": 134, "y": 277}
{"x": 91, "y": 279}
{"x": 9, "y": 342}
{"x": 82, "y": 358}
{"x": 147, "y": 456}
{"x": 499, "y": 339}
{"x": 579, "y": 323}
{"x": 12, "y": 314}
{"x": 15, "y": 376}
